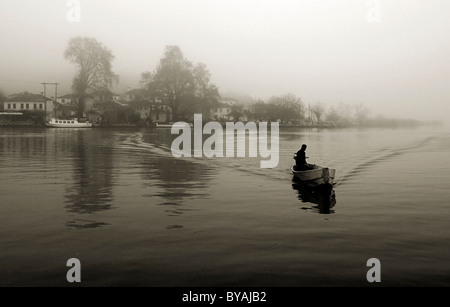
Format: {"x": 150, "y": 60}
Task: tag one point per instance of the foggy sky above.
{"x": 319, "y": 50}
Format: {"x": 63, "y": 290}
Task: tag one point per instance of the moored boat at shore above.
{"x": 68, "y": 123}
{"x": 172, "y": 125}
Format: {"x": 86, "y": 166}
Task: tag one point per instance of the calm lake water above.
{"x": 134, "y": 215}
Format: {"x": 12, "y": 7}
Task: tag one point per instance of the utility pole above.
{"x": 45, "y": 101}
{"x": 44, "y": 83}
{"x": 56, "y": 90}
{"x": 45, "y": 94}
{"x": 49, "y": 83}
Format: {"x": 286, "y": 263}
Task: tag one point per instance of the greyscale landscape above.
{"x": 224, "y": 144}
{"x": 176, "y": 90}
{"x": 132, "y": 73}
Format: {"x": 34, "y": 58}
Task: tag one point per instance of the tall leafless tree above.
{"x": 180, "y": 84}
{"x": 287, "y": 107}
{"x": 94, "y": 63}
{"x": 318, "y": 109}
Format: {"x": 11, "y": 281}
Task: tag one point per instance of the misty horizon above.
{"x": 329, "y": 52}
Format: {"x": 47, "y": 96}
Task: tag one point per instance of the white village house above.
{"x": 221, "y": 112}
{"x": 29, "y": 102}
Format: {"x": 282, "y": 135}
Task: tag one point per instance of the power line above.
{"x": 51, "y": 83}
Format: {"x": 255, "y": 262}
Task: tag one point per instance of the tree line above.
{"x": 187, "y": 89}
{"x": 182, "y": 85}
{"x": 2, "y": 97}
{"x": 176, "y": 81}
{"x": 289, "y": 108}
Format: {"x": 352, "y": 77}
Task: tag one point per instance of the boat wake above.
{"x": 381, "y": 155}
{"x": 138, "y": 145}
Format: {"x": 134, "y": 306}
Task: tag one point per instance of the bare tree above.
{"x": 287, "y": 107}
{"x": 344, "y": 111}
{"x": 237, "y": 111}
{"x": 183, "y": 86}
{"x": 332, "y": 115}
{"x": 206, "y": 92}
{"x": 93, "y": 61}
{"x": 361, "y": 114}
{"x": 172, "y": 81}
{"x": 318, "y": 109}
{"x": 259, "y": 110}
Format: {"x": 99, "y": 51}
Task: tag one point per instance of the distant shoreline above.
{"x": 28, "y": 124}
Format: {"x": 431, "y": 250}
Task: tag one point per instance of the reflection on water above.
{"x": 148, "y": 219}
{"x": 324, "y": 197}
{"x": 175, "y": 181}
{"x": 92, "y": 176}
{"x": 85, "y": 224}
{"x": 169, "y": 183}
{"x": 91, "y": 164}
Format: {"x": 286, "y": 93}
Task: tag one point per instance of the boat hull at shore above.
{"x": 67, "y": 123}
{"x": 173, "y": 125}
{"x": 315, "y": 177}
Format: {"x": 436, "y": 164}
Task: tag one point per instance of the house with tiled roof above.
{"x": 66, "y": 99}
{"x": 148, "y": 109}
{"x": 26, "y": 101}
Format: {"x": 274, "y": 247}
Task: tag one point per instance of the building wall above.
{"x": 64, "y": 100}
{"x": 156, "y": 113}
{"x": 144, "y": 113}
{"x": 160, "y": 117}
{"x": 28, "y": 106}
{"x": 221, "y": 113}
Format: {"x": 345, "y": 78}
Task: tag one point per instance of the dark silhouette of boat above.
{"x": 319, "y": 175}
{"x": 323, "y": 196}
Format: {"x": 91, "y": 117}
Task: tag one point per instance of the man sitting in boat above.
{"x": 300, "y": 160}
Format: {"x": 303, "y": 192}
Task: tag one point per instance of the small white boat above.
{"x": 67, "y": 123}
{"x": 174, "y": 125}
{"x": 317, "y": 176}
{"x": 166, "y": 126}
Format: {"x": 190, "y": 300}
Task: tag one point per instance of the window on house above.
{"x": 35, "y": 106}
{"x": 21, "y": 106}
{"x": 14, "y": 106}
{"x": 40, "y": 106}
{"x": 9, "y": 106}
{"x": 28, "y": 106}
